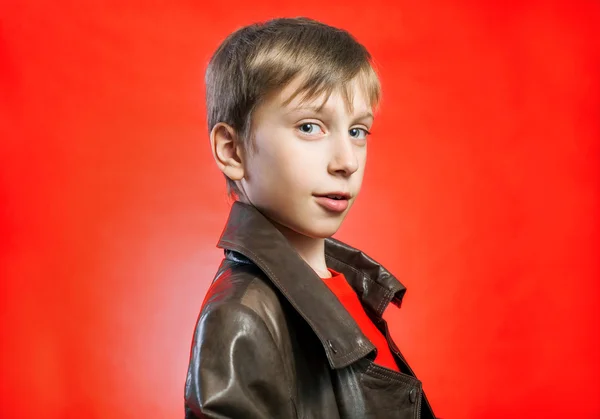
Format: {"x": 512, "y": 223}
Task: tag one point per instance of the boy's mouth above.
{"x": 334, "y": 202}
{"x": 335, "y": 195}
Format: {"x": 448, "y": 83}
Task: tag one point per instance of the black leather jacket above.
{"x": 272, "y": 341}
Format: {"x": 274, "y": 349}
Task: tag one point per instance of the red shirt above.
{"x": 349, "y": 299}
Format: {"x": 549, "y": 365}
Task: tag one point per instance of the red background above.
{"x": 481, "y": 195}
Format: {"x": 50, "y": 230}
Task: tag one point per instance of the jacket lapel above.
{"x": 251, "y": 234}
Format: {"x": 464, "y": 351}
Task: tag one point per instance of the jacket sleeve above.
{"x": 236, "y": 369}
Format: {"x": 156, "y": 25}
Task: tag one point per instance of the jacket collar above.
{"x": 251, "y": 234}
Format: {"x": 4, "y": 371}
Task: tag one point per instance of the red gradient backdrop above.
{"x": 481, "y": 195}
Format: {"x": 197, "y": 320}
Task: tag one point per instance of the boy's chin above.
{"x": 324, "y": 231}
{"x": 310, "y": 226}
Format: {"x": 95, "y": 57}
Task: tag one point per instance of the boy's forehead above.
{"x": 291, "y": 98}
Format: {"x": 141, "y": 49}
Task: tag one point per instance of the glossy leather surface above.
{"x": 272, "y": 341}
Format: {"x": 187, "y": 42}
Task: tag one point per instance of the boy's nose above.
{"x": 343, "y": 157}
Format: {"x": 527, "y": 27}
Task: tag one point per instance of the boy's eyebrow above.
{"x": 303, "y": 107}
{"x": 321, "y": 109}
{"x": 365, "y": 115}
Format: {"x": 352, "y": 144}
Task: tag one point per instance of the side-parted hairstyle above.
{"x": 262, "y": 58}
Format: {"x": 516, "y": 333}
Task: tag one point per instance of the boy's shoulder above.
{"x": 241, "y": 288}
{"x": 241, "y": 338}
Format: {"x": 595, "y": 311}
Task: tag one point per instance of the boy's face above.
{"x": 303, "y": 154}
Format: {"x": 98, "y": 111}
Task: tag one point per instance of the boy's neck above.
{"x": 311, "y": 249}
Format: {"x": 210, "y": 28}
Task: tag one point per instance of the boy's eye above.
{"x": 309, "y": 128}
{"x": 359, "y": 133}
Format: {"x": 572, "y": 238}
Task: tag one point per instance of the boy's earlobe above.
{"x": 227, "y": 151}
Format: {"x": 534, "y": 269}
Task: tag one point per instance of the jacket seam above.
{"x": 380, "y": 372}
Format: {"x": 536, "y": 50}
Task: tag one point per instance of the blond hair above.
{"x": 259, "y": 59}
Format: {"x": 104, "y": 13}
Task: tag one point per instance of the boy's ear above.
{"x": 227, "y": 152}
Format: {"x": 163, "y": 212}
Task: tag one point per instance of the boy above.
{"x": 292, "y": 325}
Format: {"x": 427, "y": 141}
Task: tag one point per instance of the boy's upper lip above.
{"x": 345, "y": 195}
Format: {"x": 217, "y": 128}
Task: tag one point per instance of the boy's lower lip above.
{"x": 335, "y": 205}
